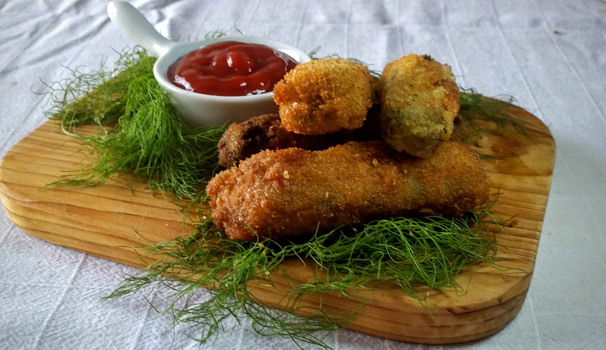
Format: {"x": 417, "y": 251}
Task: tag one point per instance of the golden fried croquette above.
{"x": 266, "y": 132}
{"x": 419, "y": 101}
{"x": 294, "y": 192}
{"x": 324, "y": 96}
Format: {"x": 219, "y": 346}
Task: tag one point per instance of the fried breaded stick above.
{"x": 294, "y": 192}
{"x": 419, "y": 101}
{"x": 324, "y": 96}
{"x": 266, "y": 132}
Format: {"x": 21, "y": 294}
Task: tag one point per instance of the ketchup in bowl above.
{"x": 230, "y": 68}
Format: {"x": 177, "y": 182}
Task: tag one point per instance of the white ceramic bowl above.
{"x": 196, "y": 109}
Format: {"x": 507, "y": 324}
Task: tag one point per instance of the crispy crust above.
{"x": 241, "y": 140}
{"x": 294, "y": 192}
{"x": 266, "y": 132}
{"x": 324, "y": 96}
{"x": 419, "y": 101}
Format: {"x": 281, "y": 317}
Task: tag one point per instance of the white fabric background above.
{"x": 550, "y": 55}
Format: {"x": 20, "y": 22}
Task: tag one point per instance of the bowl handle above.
{"x": 132, "y": 23}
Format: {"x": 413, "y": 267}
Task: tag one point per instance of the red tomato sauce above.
{"x": 230, "y": 68}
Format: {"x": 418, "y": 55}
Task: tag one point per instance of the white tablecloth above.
{"x": 550, "y": 55}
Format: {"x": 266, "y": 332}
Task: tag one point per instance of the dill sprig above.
{"x": 98, "y": 97}
{"x": 146, "y": 139}
{"x": 477, "y": 108}
{"x": 412, "y": 253}
{"x": 207, "y": 259}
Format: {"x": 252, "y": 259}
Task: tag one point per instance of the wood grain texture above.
{"x": 105, "y": 221}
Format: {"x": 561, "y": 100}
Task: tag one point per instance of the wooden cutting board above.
{"x": 104, "y": 221}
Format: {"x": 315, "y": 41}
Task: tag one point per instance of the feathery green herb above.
{"x": 476, "y": 107}
{"x": 416, "y": 254}
{"x": 145, "y": 139}
{"x": 98, "y": 97}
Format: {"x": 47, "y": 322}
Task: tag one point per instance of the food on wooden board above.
{"x": 294, "y": 192}
{"x": 324, "y": 96}
{"x": 266, "y": 132}
{"x": 419, "y": 101}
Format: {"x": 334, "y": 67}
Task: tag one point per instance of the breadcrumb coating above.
{"x": 324, "y": 96}
{"x": 266, "y": 132}
{"x": 241, "y": 140}
{"x": 294, "y": 192}
{"x": 419, "y": 101}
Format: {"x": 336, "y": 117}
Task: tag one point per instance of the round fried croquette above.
{"x": 324, "y": 96}
{"x": 419, "y": 102}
